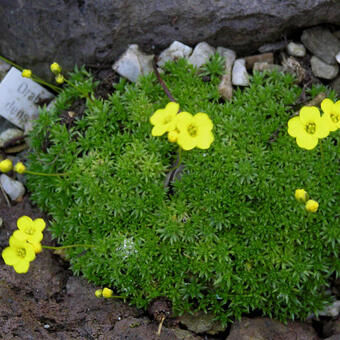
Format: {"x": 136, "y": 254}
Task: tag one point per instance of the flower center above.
{"x": 21, "y": 252}
{"x": 335, "y": 117}
{"x": 29, "y": 231}
{"x": 167, "y": 120}
{"x": 192, "y": 130}
{"x": 310, "y": 128}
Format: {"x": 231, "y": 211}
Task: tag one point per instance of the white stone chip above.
{"x": 133, "y": 63}
{"x": 296, "y": 49}
{"x": 240, "y": 75}
{"x": 9, "y": 134}
{"x": 175, "y": 51}
{"x": 337, "y": 57}
{"x": 14, "y": 189}
{"x": 322, "y": 70}
{"x": 18, "y": 98}
{"x": 226, "y": 53}
{"x": 201, "y": 54}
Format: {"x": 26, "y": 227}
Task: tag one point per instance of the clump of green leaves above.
{"x": 229, "y": 237}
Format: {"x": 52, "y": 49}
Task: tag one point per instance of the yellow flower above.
{"x": 332, "y": 113}
{"x": 26, "y": 73}
{"x": 301, "y": 195}
{"x": 19, "y": 254}
{"x": 6, "y": 165}
{"x": 59, "y": 79}
{"x": 98, "y": 293}
{"x": 164, "y": 119}
{"x": 29, "y": 230}
{"x": 55, "y": 68}
{"x": 37, "y": 247}
{"x": 312, "y": 206}
{"x": 194, "y": 131}
{"x": 107, "y": 292}
{"x": 20, "y": 168}
{"x": 172, "y": 136}
{"x": 308, "y": 127}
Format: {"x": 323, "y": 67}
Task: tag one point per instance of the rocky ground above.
{"x": 50, "y": 303}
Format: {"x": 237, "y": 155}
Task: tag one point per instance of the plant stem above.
{"x": 43, "y": 82}
{"x": 11, "y": 63}
{"x": 43, "y": 174}
{"x": 70, "y": 246}
{"x": 322, "y": 158}
{"x": 179, "y": 160}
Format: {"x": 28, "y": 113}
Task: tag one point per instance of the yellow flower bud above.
{"x": 55, "y": 68}
{"x": 20, "y": 168}
{"x": 6, "y": 165}
{"x": 59, "y": 79}
{"x": 98, "y": 293}
{"x": 37, "y": 247}
{"x": 301, "y": 195}
{"x": 172, "y": 136}
{"x": 312, "y": 206}
{"x": 26, "y": 73}
{"x": 107, "y": 292}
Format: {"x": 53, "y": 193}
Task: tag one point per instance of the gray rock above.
{"x": 133, "y": 63}
{"x": 337, "y": 57}
{"x": 225, "y": 87}
{"x": 322, "y": 70}
{"x": 9, "y": 134}
{"x": 322, "y": 43}
{"x": 332, "y": 310}
{"x": 259, "y": 58}
{"x": 5, "y": 124}
{"x": 201, "y": 323}
{"x": 265, "y": 328}
{"x": 335, "y": 85}
{"x": 240, "y": 75}
{"x": 264, "y": 66}
{"x": 201, "y": 54}
{"x": 272, "y": 47}
{"x": 4, "y": 68}
{"x": 175, "y": 51}
{"x": 14, "y": 189}
{"x": 97, "y": 31}
{"x": 296, "y": 49}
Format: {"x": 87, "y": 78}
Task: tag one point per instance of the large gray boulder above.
{"x": 37, "y": 32}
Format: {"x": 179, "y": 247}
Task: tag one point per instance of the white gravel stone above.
{"x": 226, "y": 53}
{"x": 9, "y": 134}
{"x": 296, "y": 49}
{"x": 133, "y": 63}
{"x": 175, "y": 51}
{"x": 201, "y": 54}
{"x": 240, "y": 75}
{"x": 14, "y": 189}
{"x": 225, "y": 87}
{"x": 332, "y": 310}
{"x": 322, "y": 70}
{"x": 337, "y": 57}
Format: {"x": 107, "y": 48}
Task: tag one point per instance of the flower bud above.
{"x": 312, "y": 206}
{"x": 98, "y": 293}
{"x": 59, "y": 79}
{"x": 301, "y": 195}
{"x": 37, "y": 247}
{"x": 172, "y": 136}
{"x": 6, "y": 165}
{"x": 20, "y": 168}
{"x": 55, "y": 68}
{"x": 26, "y": 73}
{"x": 107, "y": 292}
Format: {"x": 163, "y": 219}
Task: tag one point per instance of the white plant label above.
{"x": 19, "y": 97}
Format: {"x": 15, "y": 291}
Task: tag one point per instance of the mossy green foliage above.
{"x": 229, "y": 237}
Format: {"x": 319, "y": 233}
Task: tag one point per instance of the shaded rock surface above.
{"x": 36, "y": 33}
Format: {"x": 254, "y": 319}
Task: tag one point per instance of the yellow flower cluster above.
{"x": 309, "y": 126}
{"x": 106, "y": 293}
{"x": 26, "y": 73}
{"x": 187, "y": 130}
{"x": 301, "y": 195}
{"x": 56, "y": 69}
{"x": 6, "y": 165}
{"x": 24, "y": 244}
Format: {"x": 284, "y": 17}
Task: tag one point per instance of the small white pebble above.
{"x": 119, "y": 318}
{"x": 47, "y": 326}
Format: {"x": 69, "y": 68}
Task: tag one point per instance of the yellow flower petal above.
{"x": 327, "y": 105}
{"x": 186, "y": 142}
{"x": 295, "y": 127}
{"x": 306, "y": 141}
{"x": 203, "y": 120}
{"x": 23, "y": 222}
{"x": 322, "y": 128}
{"x": 204, "y": 140}
{"x": 21, "y": 267}
{"x": 183, "y": 120}
{"x": 39, "y": 224}
{"x": 157, "y": 117}
{"x": 9, "y": 255}
{"x": 172, "y": 107}
{"x": 309, "y": 114}
{"x": 158, "y": 130}
{"x": 30, "y": 253}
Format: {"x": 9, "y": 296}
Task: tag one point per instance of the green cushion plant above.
{"x": 228, "y": 236}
